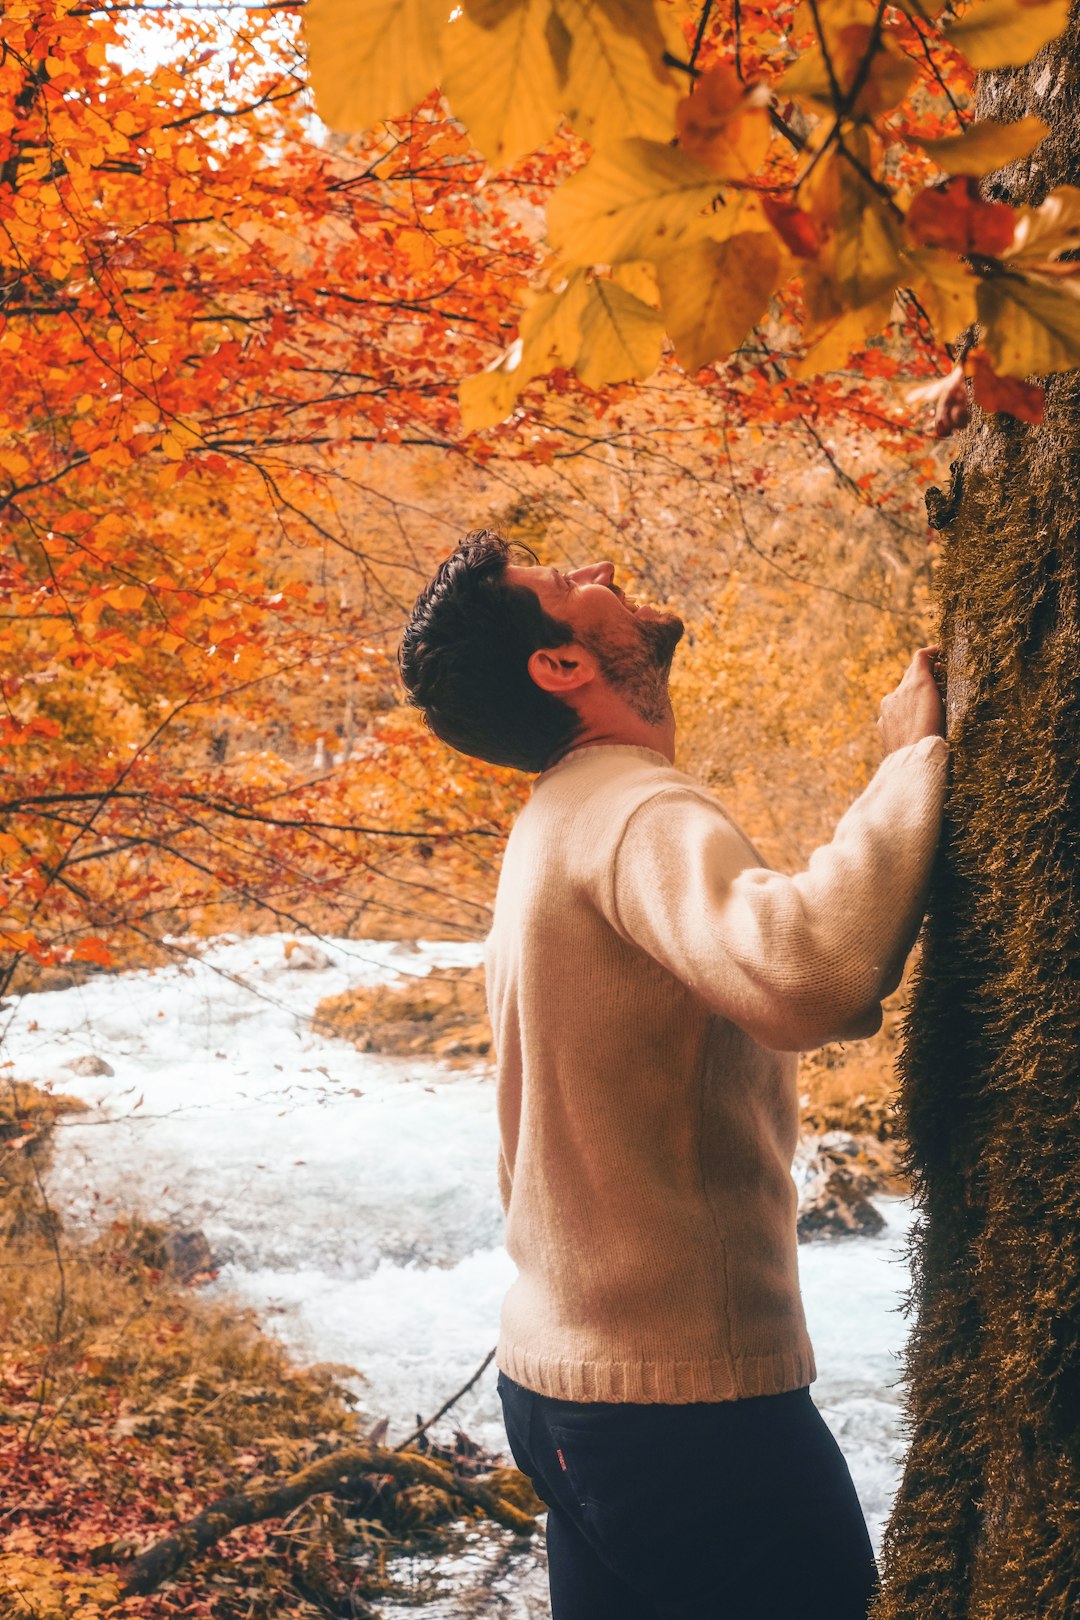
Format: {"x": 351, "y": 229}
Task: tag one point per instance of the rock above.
{"x": 837, "y": 1175}
{"x": 303, "y": 957}
{"x": 89, "y": 1064}
{"x": 183, "y": 1253}
{"x": 443, "y": 1013}
{"x": 834, "y": 1204}
{"x": 186, "y": 1254}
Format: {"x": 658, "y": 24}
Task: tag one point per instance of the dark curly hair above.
{"x": 464, "y": 654}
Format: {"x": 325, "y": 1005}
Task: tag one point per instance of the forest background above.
{"x": 256, "y": 385}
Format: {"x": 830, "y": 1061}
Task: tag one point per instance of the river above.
{"x": 353, "y": 1199}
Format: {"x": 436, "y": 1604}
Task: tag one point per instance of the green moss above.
{"x": 985, "y": 1524}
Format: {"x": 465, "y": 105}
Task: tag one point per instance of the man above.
{"x": 651, "y": 982}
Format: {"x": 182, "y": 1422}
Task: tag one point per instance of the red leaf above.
{"x": 795, "y": 228}
{"x": 956, "y": 216}
{"x": 1009, "y": 394}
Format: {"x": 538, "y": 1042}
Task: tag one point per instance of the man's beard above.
{"x": 639, "y": 670}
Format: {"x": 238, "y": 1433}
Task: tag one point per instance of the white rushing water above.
{"x": 353, "y": 1199}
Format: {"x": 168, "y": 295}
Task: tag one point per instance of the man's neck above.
{"x": 660, "y": 738}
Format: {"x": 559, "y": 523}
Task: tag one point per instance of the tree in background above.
{"x": 715, "y": 184}
{"x": 232, "y": 351}
{"x": 199, "y": 308}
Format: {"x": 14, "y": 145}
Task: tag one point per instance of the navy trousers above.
{"x": 710, "y": 1510}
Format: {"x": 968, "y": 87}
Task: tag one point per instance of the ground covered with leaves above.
{"x": 443, "y": 1015}
{"x": 130, "y": 1403}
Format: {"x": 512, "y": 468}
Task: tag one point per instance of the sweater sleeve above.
{"x": 794, "y": 961}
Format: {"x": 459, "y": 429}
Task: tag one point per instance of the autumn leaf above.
{"x": 837, "y": 337}
{"x": 794, "y": 226}
{"x": 956, "y": 216}
{"x": 712, "y": 293}
{"x": 1031, "y": 324}
{"x": 1053, "y": 227}
{"x": 612, "y": 81}
{"x": 1007, "y": 33}
{"x": 372, "y": 59}
{"x": 986, "y": 145}
{"x": 1023, "y": 400}
{"x": 621, "y": 337}
{"x": 946, "y": 287}
{"x": 549, "y": 336}
{"x": 862, "y": 75}
{"x": 949, "y": 394}
{"x": 724, "y": 124}
{"x": 636, "y": 200}
{"x": 949, "y": 397}
{"x": 638, "y": 276}
{"x": 488, "y": 397}
{"x": 499, "y": 77}
{"x": 128, "y": 598}
{"x": 858, "y": 259}
{"x": 182, "y": 436}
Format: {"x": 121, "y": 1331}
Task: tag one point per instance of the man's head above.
{"x": 514, "y": 663}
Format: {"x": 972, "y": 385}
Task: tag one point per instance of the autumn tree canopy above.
{"x": 200, "y": 307}
{"x": 565, "y": 234}
{"x": 819, "y": 152}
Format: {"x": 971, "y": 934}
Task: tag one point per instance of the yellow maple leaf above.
{"x": 712, "y": 293}
{"x": 986, "y": 145}
{"x": 1007, "y": 33}
{"x": 635, "y": 200}
{"x": 372, "y": 59}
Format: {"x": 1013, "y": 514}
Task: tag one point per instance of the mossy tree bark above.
{"x": 986, "y": 1525}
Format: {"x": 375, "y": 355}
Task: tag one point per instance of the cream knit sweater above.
{"x": 650, "y": 983}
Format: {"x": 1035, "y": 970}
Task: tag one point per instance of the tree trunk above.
{"x": 987, "y": 1520}
{"x": 339, "y": 1471}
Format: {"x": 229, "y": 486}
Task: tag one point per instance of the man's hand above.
{"x": 915, "y": 709}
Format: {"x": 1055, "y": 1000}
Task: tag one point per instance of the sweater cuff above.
{"x": 935, "y": 747}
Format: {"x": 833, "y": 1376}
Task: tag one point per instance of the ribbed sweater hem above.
{"x": 671, "y": 1382}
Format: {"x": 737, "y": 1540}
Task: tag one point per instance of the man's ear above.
{"x": 561, "y": 669}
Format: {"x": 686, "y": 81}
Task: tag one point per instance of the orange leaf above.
{"x": 723, "y": 124}
{"x": 128, "y": 598}
{"x": 1009, "y": 394}
{"x": 795, "y": 228}
{"x": 955, "y": 216}
{"x": 92, "y": 950}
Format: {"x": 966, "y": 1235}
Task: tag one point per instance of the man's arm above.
{"x": 794, "y": 961}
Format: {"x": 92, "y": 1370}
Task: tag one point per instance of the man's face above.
{"x": 632, "y": 641}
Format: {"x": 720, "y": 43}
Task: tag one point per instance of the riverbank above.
{"x": 133, "y": 1398}
{"x": 347, "y": 1199}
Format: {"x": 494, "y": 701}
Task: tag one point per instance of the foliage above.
{"x": 739, "y": 153}
{"x": 199, "y": 310}
{"x": 234, "y": 353}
